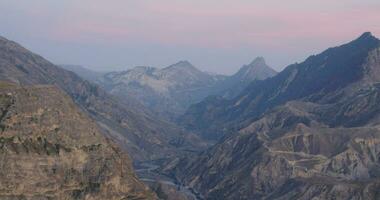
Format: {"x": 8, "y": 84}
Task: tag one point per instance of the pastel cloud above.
{"x": 217, "y": 23}
{"x": 292, "y": 26}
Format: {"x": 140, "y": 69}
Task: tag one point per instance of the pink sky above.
{"x": 216, "y": 35}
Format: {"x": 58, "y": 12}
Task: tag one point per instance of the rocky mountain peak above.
{"x": 366, "y": 40}
{"x": 258, "y": 61}
{"x": 184, "y": 64}
{"x": 257, "y": 69}
{"x": 366, "y": 36}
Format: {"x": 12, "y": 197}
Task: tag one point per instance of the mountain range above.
{"x": 310, "y": 132}
{"x": 133, "y": 126}
{"x": 170, "y": 91}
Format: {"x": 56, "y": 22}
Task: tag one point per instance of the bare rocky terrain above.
{"x": 310, "y": 132}
{"x": 50, "y": 149}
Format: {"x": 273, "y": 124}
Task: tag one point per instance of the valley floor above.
{"x": 148, "y": 172}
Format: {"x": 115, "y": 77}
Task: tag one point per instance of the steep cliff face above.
{"x": 311, "y": 133}
{"x": 49, "y": 149}
{"x": 135, "y": 128}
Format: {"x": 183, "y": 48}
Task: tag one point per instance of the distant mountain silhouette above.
{"x": 235, "y": 84}
{"x": 171, "y": 90}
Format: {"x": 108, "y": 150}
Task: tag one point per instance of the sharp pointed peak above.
{"x": 366, "y": 34}
{"x": 366, "y": 37}
{"x": 258, "y": 60}
{"x": 255, "y": 68}
{"x": 258, "y": 64}
{"x": 181, "y": 65}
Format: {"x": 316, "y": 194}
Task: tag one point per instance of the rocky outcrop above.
{"x": 49, "y": 149}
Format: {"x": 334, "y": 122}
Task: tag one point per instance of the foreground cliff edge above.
{"x": 49, "y": 149}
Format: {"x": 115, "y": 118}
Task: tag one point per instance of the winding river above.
{"x": 149, "y": 168}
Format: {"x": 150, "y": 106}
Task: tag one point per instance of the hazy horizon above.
{"x": 215, "y": 36}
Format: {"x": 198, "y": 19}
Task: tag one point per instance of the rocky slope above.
{"x": 135, "y": 128}
{"x": 311, "y": 132}
{"x": 49, "y": 149}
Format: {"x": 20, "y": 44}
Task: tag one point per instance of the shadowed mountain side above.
{"x": 311, "y": 132}
{"x": 319, "y": 76}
